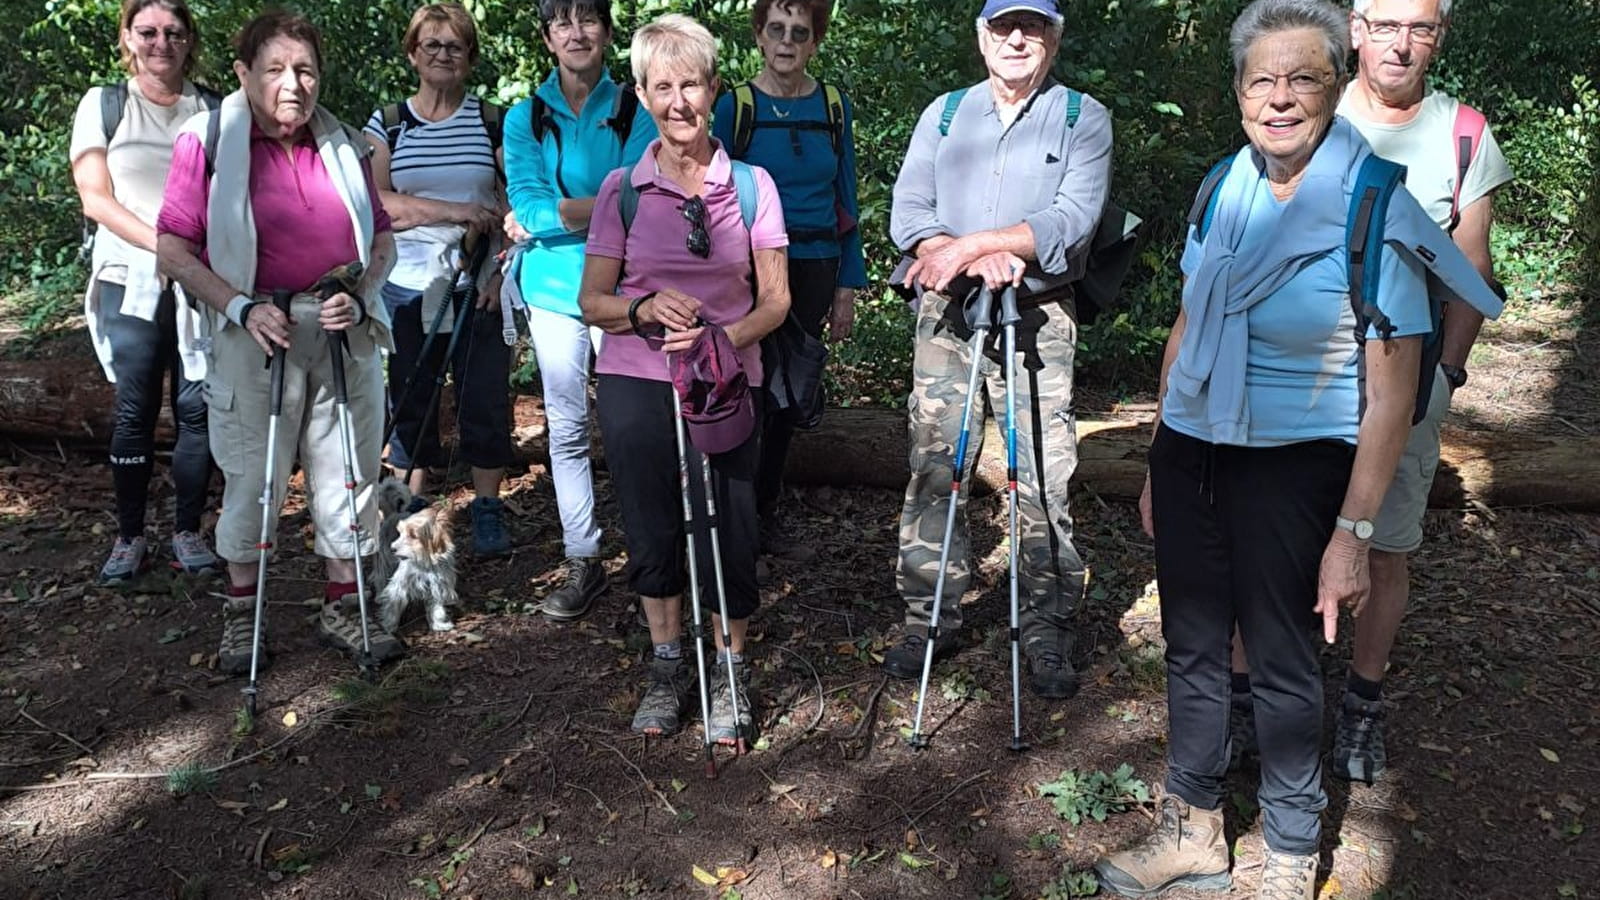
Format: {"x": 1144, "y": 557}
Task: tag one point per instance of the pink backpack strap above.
{"x": 1467, "y": 135}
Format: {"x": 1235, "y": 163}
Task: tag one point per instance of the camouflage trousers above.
{"x": 1050, "y": 573}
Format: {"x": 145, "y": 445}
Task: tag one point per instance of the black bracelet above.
{"x": 361, "y": 308}
{"x": 633, "y": 311}
{"x": 244, "y": 313}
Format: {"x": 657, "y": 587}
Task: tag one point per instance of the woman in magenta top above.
{"x": 687, "y": 258}
{"x": 270, "y": 192}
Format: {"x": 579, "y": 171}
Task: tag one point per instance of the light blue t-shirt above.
{"x": 1302, "y": 380}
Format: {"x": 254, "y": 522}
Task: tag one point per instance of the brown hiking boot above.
{"x": 1187, "y": 849}
{"x": 1288, "y": 877}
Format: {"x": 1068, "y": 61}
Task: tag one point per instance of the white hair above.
{"x": 1359, "y": 7}
{"x": 1264, "y": 17}
{"x": 673, "y": 39}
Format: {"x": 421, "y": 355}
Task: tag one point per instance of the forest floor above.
{"x": 496, "y": 761}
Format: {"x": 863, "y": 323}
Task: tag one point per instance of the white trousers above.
{"x": 562, "y": 344}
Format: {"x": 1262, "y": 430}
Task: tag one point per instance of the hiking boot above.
{"x": 660, "y": 710}
{"x": 489, "y": 537}
{"x": 1241, "y": 732}
{"x": 1050, "y": 675}
{"x": 1288, "y": 877}
{"x": 585, "y": 581}
{"x": 1187, "y": 849}
{"x": 777, "y": 541}
{"x": 127, "y": 559}
{"x": 904, "y": 659}
{"x": 339, "y": 627}
{"x": 1358, "y": 753}
{"x": 722, "y": 728}
{"x": 191, "y": 556}
{"x": 238, "y": 626}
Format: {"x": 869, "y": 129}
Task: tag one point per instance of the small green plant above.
{"x": 243, "y": 722}
{"x": 1072, "y": 884}
{"x": 1044, "y": 840}
{"x": 191, "y": 778}
{"x": 1096, "y": 795}
{"x": 963, "y": 685}
{"x": 998, "y": 887}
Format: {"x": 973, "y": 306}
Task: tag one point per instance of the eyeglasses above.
{"x": 441, "y": 48}
{"x": 1303, "y": 83}
{"x": 148, "y": 35}
{"x": 568, "y": 26}
{"x": 1033, "y": 28}
{"x": 1385, "y": 30}
{"x": 699, "y": 240}
{"x": 798, "y": 34}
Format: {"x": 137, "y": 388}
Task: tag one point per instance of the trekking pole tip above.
{"x": 1018, "y": 745}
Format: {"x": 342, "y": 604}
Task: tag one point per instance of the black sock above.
{"x": 669, "y": 650}
{"x": 1241, "y": 684}
{"x": 1370, "y": 691}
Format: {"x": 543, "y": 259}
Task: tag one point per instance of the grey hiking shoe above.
{"x": 722, "y": 727}
{"x": 191, "y": 556}
{"x": 489, "y": 537}
{"x": 1288, "y": 877}
{"x": 1187, "y": 849}
{"x": 1241, "y": 731}
{"x": 585, "y": 581}
{"x": 1358, "y": 753}
{"x": 660, "y": 710}
{"x": 238, "y": 626}
{"x": 1050, "y": 675}
{"x": 127, "y": 559}
{"x": 904, "y": 659}
{"x": 339, "y": 627}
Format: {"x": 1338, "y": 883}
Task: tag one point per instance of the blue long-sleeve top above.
{"x": 570, "y": 162}
{"x": 810, "y": 178}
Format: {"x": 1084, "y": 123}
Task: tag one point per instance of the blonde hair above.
{"x": 673, "y": 39}
{"x": 452, "y": 15}
{"x": 179, "y": 10}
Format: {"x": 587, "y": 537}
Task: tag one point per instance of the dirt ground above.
{"x": 496, "y": 761}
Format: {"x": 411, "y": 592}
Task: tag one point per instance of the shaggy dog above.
{"x": 393, "y": 499}
{"x": 421, "y": 564}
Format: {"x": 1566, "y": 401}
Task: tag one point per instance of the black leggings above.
{"x": 142, "y": 355}
{"x": 811, "y": 286}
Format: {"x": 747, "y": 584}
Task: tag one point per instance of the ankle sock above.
{"x": 241, "y": 590}
{"x": 336, "y": 591}
{"x": 669, "y": 650}
{"x": 1370, "y": 691}
{"x": 1241, "y": 684}
{"x": 723, "y": 654}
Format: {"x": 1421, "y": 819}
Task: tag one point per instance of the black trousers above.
{"x": 144, "y": 355}
{"x": 811, "y": 286}
{"x": 641, "y": 451}
{"x": 1240, "y": 533}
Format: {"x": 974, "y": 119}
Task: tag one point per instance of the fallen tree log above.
{"x": 67, "y": 400}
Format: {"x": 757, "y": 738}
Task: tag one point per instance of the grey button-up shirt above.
{"x": 984, "y": 176}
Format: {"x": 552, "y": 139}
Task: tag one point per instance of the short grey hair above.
{"x": 1359, "y": 7}
{"x": 1264, "y": 17}
{"x": 673, "y": 39}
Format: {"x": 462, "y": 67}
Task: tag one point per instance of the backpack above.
{"x": 398, "y": 118}
{"x": 1375, "y": 183}
{"x": 1116, "y": 238}
{"x": 213, "y": 136}
{"x": 745, "y": 123}
{"x": 623, "y": 108}
{"x": 1467, "y": 135}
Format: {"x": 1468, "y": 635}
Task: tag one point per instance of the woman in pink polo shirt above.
{"x": 270, "y": 192}
{"x": 687, "y": 257}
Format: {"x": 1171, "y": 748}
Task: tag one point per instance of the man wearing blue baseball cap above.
{"x": 1004, "y": 183}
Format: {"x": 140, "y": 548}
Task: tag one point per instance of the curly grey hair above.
{"x": 1264, "y": 17}
{"x": 1359, "y": 7}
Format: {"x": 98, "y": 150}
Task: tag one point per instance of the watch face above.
{"x": 1363, "y": 529}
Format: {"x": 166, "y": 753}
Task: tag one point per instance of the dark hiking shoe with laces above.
{"x": 1358, "y": 753}
{"x": 1187, "y": 849}
{"x": 1050, "y": 675}
{"x": 904, "y": 659}
{"x": 127, "y": 559}
{"x": 1241, "y": 732}
{"x": 585, "y": 580}
{"x": 722, "y": 728}
{"x": 339, "y": 627}
{"x": 777, "y": 541}
{"x": 489, "y": 537}
{"x": 1288, "y": 877}
{"x": 238, "y": 627}
{"x": 191, "y": 556}
{"x": 660, "y": 710}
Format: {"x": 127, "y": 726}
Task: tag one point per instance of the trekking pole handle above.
{"x": 280, "y": 299}
{"x": 1008, "y": 306}
{"x": 981, "y": 313}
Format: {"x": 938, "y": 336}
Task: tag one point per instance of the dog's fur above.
{"x": 424, "y": 561}
{"x": 393, "y": 497}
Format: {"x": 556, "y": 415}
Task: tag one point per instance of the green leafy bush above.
{"x": 1095, "y": 795}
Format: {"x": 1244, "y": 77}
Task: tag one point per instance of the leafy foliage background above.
{"x": 1161, "y": 66}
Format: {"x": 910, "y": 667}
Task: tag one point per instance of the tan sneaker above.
{"x": 1187, "y": 849}
{"x": 1288, "y": 877}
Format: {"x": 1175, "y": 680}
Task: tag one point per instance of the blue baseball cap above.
{"x": 1046, "y": 8}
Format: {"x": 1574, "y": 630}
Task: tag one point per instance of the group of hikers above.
{"x": 654, "y": 233}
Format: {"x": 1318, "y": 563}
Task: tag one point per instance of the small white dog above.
{"x": 422, "y": 561}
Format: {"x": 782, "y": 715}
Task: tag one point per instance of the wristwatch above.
{"x": 1455, "y": 375}
{"x": 1361, "y": 528}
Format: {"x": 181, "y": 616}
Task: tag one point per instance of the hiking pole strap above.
{"x": 280, "y": 299}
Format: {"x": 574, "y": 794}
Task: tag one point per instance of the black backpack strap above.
{"x": 623, "y": 111}
{"x": 539, "y": 120}
{"x": 397, "y": 118}
{"x": 209, "y": 99}
{"x": 213, "y": 137}
{"x": 493, "y": 123}
{"x": 1199, "y": 217}
{"x": 113, "y": 100}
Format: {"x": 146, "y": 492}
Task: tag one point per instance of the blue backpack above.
{"x": 744, "y": 184}
{"x": 1376, "y": 182}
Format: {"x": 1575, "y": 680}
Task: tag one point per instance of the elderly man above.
{"x": 1405, "y": 120}
{"x": 1003, "y": 183}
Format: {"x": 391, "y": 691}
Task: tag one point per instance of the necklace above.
{"x": 779, "y": 113}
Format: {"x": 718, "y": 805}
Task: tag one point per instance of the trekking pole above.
{"x": 338, "y": 343}
{"x": 739, "y": 745}
{"x": 1008, "y": 320}
{"x": 694, "y": 582}
{"x": 427, "y": 344}
{"x": 469, "y": 303}
{"x": 280, "y": 299}
{"x": 981, "y": 315}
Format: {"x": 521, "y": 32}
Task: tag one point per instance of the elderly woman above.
{"x": 269, "y": 194}
{"x": 800, "y": 131}
{"x": 435, "y": 161}
{"x": 587, "y": 125}
{"x": 685, "y": 258}
{"x": 121, "y": 147}
{"x": 1265, "y": 470}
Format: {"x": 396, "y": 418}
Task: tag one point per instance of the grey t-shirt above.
{"x": 986, "y": 174}
{"x": 137, "y": 156}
